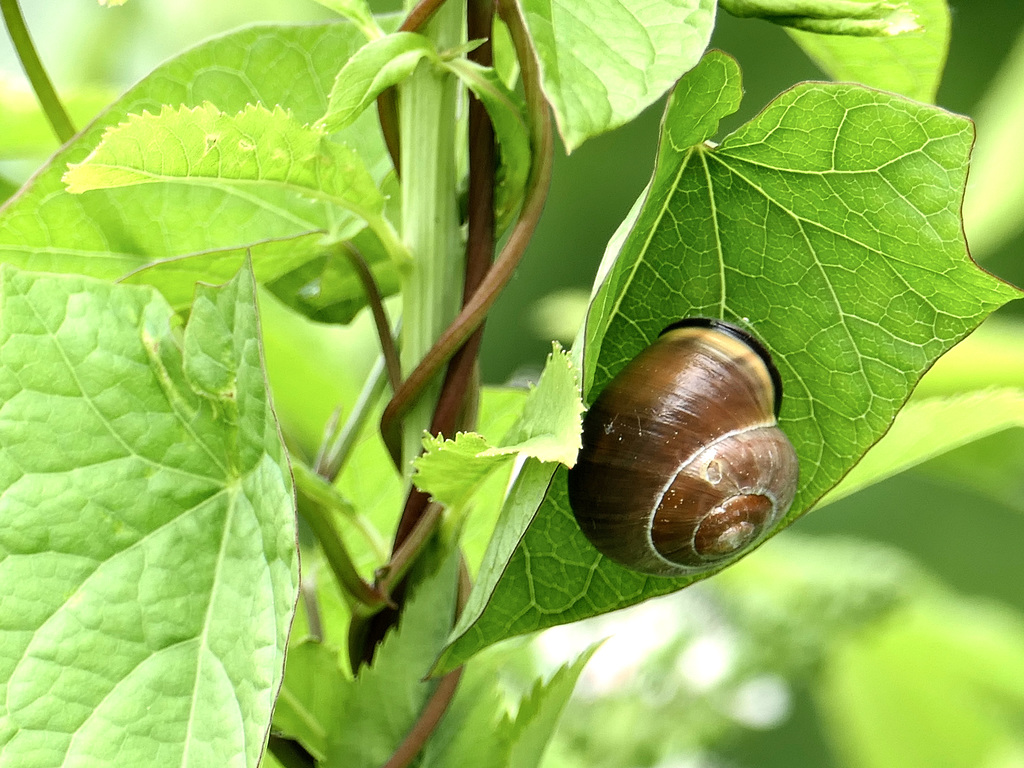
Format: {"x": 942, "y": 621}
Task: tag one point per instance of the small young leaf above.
{"x": 189, "y": 233}
{"x": 604, "y": 61}
{"x": 548, "y": 429}
{"x": 506, "y": 111}
{"x": 377, "y": 66}
{"x": 204, "y": 146}
{"x": 358, "y": 12}
{"x": 910, "y": 64}
{"x": 451, "y": 471}
{"x": 150, "y": 567}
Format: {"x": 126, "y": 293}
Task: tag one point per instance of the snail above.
{"x": 683, "y": 464}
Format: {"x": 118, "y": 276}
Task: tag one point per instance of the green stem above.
{"x": 337, "y": 445}
{"x": 430, "y": 288}
{"x": 33, "y": 66}
{"x": 476, "y": 308}
{"x": 380, "y": 315}
{"x": 425, "y": 724}
{"x": 363, "y": 597}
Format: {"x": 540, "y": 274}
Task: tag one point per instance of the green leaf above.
{"x": 548, "y": 429}
{"x": 196, "y": 233}
{"x": 506, "y": 111}
{"x": 7, "y": 188}
{"x": 382, "y": 705}
{"x": 374, "y": 68}
{"x": 358, "y": 12}
{"x": 942, "y": 683}
{"x": 323, "y": 286}
{"x": 475, "y": 729}
{"x": 994, "y": 206}
{"x": 539, "y": 712}
{"x": 452, "y": 470}
{"x": 604, "y": 61}
{"x": 258, "y": 147}
{"x": 499, "y": 408}
{"x": 858, "y": 18}
{"x": 148, "y": 548}
{"x": 910, "y": 64}
{"x": 310, "y": 698}
{"x": 928, "y": 428}
{"x": 842, "y": 251}
{"x": 505, "y": 62}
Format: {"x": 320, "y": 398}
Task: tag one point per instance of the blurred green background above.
{"x": 965, "y": 544}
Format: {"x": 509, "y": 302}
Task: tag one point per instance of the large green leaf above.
{"x": 198, "y": 233}
{"x": 604, "y": 61}
{"x": 249, "y": 153}
{"x": 147, "y": 546}
{"x": 829, "y": 225}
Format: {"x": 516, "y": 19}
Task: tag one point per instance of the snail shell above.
{"x": 683, "y": 464}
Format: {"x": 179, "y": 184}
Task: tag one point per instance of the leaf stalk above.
{"x": 54, "y": 110}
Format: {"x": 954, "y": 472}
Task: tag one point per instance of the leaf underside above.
{"x": 829, "y": 225}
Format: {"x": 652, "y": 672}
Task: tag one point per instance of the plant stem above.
{"x": 364, "y": 598}
{"x": 387, "y": 102}
{"x": 429, "y": 717}
{"x": 460, "y": 378}
{"x": 438, "y": 702}
{"x": 428, "y": 123}
{"x": 307, "y": 591}
{"x": 480, "y": 237}
{"x": 380, "y": 315}
{"x": 337, "y": 446}
{"x": 475, "y": 310}
{"x": 33, "y": 66}
{"x": 420, "y": 15}
{"x": 412, "y": 544}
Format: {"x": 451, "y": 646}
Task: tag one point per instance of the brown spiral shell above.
{"x": 683, "y": 464}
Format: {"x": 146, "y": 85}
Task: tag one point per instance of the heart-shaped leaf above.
{"x": 829, "y": 226}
